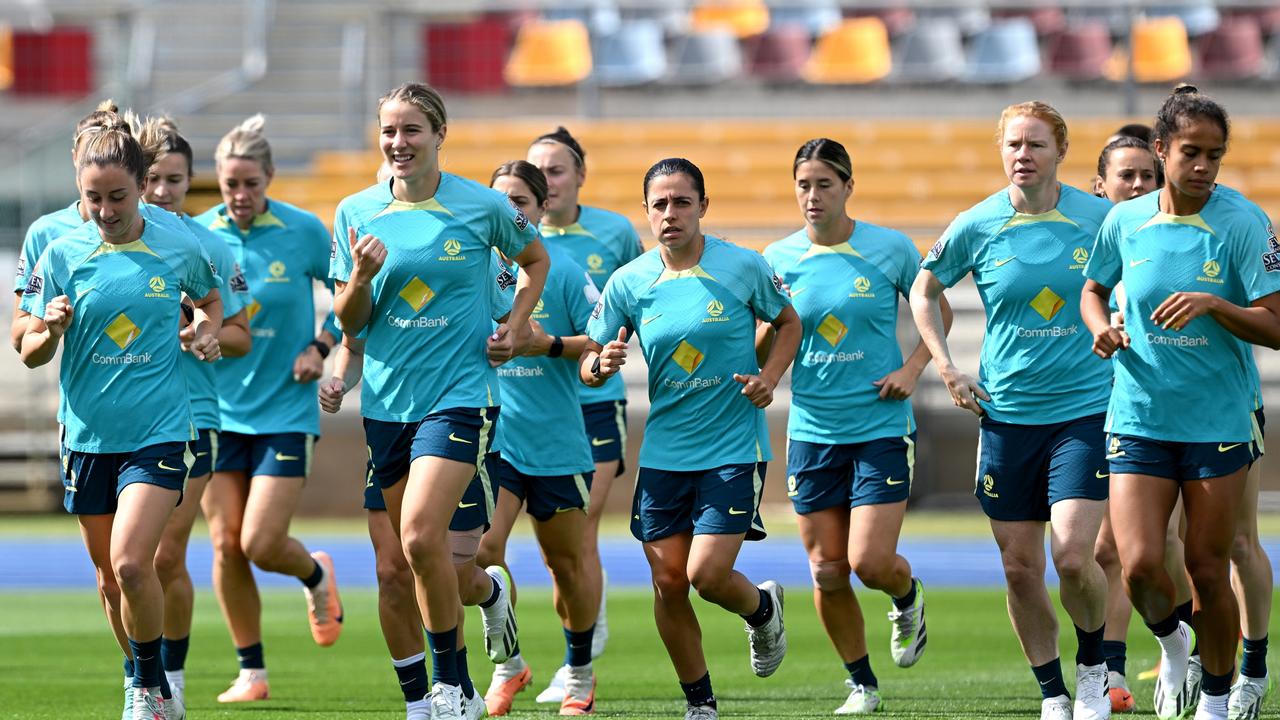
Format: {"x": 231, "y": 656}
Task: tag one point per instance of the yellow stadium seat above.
{"x": 1161, "y": 52}
{"x": 855, "y": 51}
{"x": 549, "y": 52}
{"x": 6, "y": 57}
{"x": 743, "y": 18}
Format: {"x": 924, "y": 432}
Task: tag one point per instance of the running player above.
{"x": 1194, "y": 249}
{"x": 552, "y": 474}
{"x": 417, "y": 253}
{"x": 694, "y": 301}
{"x": 267, "y": 400}
{"x": 166, "y": 185}
{"x": 48, "y": 228}
{"x": 851, "y": 433}
{"x": 125, "y": 446}
{"x": 600, "y": 241}
{"x": 1040, "y": 399}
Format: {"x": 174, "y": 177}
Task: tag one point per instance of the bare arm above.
{"x": 926, "y": 309}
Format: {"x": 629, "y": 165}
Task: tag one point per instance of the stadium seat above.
{"x": 1233, "y": 51}
{"x": 549, "y": 53}
{"x": 931, "y": 51}
{"x": 600, "y": 16}
{"x": 1006, "y": 52}
{"x": 855, "y": 52}
{"x": 1268, "y": 18}
{"x": 466, "y": 57}
{"x": 1080, "y": 52}
{"x": 1198, "y": 18}
{"x": 816, "y": 17}
{"x": 897, "y": 19}
{"x": 706, "y": 58}
{"x": 778, "y": 55}
{"x": 743, "y": 18}
{"x": 6, "y": 57}
{"x": 970, "y": 18}
{"x": 55, "y": 62}
{"x": 1048, "y": 19}
{"x": 1161, "y": 53}
{"x": 632, "y": 55}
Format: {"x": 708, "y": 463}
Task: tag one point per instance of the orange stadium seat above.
{"x": 743, "y": 18}
{"x": 1161, "y": 52}
{"x": 549, "y": 53}
{"x": 854, "y": 52}
{"x": 6, "y": 58}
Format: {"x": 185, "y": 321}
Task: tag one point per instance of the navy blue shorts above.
{"x": 206, "y": 451}
{"x": 545, "y": 496}
{"x": 1259, "y": 447}
{"x": 91, "y": 482}
{"x": 1179, "y": 461}
{"x": 1023, "y": 470}
{"x": 875, "y": 472}
{"x": 719, "y": 501}
{"x": 271, "y": 454}
{"x": 606, "y": 424}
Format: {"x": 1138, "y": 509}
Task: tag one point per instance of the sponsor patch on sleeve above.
{"x": 505, "y": 279}
{"x": 237, "y": 283}
{"x": 521, "y": 220}
{"x": 34, "y": 286}
{"x": 935, "y": 252}
{"x": 778, "y": 284}
{"x": 1271, "y": 261}
{"x": 598, "y": 310}
{"x": 22, "y": 262}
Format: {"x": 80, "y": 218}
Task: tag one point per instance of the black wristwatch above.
{"x": 321, "y": 348}
{"x": 557, "y": 347}
{"x": 595, "y": 368}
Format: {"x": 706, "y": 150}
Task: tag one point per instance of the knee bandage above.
{"x": 464, "y": 544}
{"x": 830, "y": 575}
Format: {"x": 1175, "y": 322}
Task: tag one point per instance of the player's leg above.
{"x": 1253, "y": 585}
{"x": 1119, "y": 612}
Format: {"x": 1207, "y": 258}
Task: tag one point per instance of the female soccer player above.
{"x": 1041, "y": 401}
{"x": 1126, "y": 170}
{"x": 694, "y": 301}
{"x": 125, "y": 451}
{"x": 600, "y": 241}
{"x": 48, "y": 228}
{"x": 548, "y": 474}
{"x": 418, "y": 254}
{"x": 1202, "y": 281}
{"x": 166, "y": 184}
{"x": 268, "y": 405}
{"x": 851, "y": 432}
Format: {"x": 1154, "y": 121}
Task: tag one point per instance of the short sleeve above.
{"x": 632, "y": 248}
{"x": 612, "y": 312}
{"x": 199, "y": 276}
{"x": 1258, "y": 257}
{"x": 340, "y": 247}
{"x": 768, "y": 296}
{"x": 1105, "y": 265}
{"x": 502, "y": 287}
{"x": 510, "y": 229}
{"x": 908, "y": 266}
{"x": 234, "y": 288}
{"x": 319, "y": 249}
{"x": 26, "y": 260}
{"x": 43, "y": 285}
{"x": 580, "y": 296}
{"x": 952, "y": 256}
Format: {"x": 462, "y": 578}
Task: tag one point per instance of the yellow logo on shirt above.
{"x": 595, "y": 262}
{"x": 253, "y": 309}
{"x": 861, "y": 288}
{"x": 277, "y": 269}
{"x": 417, "y": 294}
{"x": 832, "y": 330}
{"x": 687, "y": 356}
{"x": 1081, "y": 256}
{"x": 157, "y": 284}
{"x": 715, "y": 309}
{"x": 452, "y": 251}
{"x": 1211, "y": 272}
{"x": 1047, "y": 303}
{"x": 122, "y": 331}
{"x": 538, "y": 311}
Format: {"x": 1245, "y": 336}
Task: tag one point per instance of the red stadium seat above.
{"x": 1081, "y": 51}
{"x": 57, "y": 62}
{"x": 467, "y": 57}
{"x": 1233, "y": 51}
{"x": 778, "y": 55}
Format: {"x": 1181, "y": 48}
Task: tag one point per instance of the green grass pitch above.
{"x": 59, "y": 661}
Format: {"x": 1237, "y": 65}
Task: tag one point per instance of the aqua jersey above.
{"x": 425, "y": 340}
{"x": 847, "y": 298}
{"x": 1037, "y": 358}
{"x": 282, "y": 255}
{"x": 43, "y": 231}
{"x": 121, "y": 385}
{"x": 540, "y": 429}
{"x": 234, "y": 290}
{"x": 600, "y": 241}
{"x": 1193, "y": 385}
{"x": 696, "y": 328}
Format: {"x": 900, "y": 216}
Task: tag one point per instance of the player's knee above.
{"x": 670, "y": 583}
{"x": 1244, "y": 547}
{"x": 464, "y": 545}
{"x": 226, "y": 544}
{"x": 1072, "y": 564}
{"x": 1021, "y": 572}
{"x": 1105, "y": 554}
{"x": 423, "y": 546}
{"x": 262, "y": 548}
{"x": 108, "y": 587}
{"x": 874, "y": 571}
{"x": 830, "y": 575}
{"x": 393, "y": 571}
{"x": 1208, "y": 569}
{"x": 1142, "y": 570}
{"x": 170, "y": 563}
{"x": 710, "y": 582}
{"x": 565, "y": 569}
{"x": 131, "y": 573}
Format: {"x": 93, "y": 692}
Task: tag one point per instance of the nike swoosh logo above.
{"x": 455, "y": 438}
{"x": 1227, "y": 448}
{"x": 599, "y": 442}
{"x": 564, "y": 510}
{"x": 1136, "y": 263}
{"x": 1006, "y": 261}
{"x": 1101, "y": 475}
{"x": 737, "y": 512}
{"x": 464, "y": 506}
{"x": 281, "y": 457}
{"x": 201, "y": 454}
{"x": 650, "y": 319}
{"x": 1111, "y": 456}
{"x": 891, "y": 482}
{"x": 174, "y": 469}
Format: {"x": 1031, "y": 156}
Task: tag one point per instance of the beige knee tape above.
{"x": 465, "y": 544}
{"x": 830, "y": 575}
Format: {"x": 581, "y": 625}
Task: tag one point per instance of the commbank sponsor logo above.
{"x": 520, "y": 372}
{"x": 1181, "y": 341}
{"x": 1049, "y": 332}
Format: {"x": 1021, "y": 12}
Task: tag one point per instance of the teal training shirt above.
{"x": 43, "y": 231}
{"x": 234, "y": 289}
{"x": 696, "y": 328}
{"x": 121, "y": 385}
{"x": 282, "y": 255}
{"x": 1037, "y": 358}
{"x": 600, "y": 241}
{"x": 540, "y": 430}
{"x": 425, "y": 341}
{"x": 1193, "y": 385}
{"x": 847, "y": 298}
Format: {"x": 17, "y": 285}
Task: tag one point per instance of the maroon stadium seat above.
{"x": 779, "y": 54}
{"x": 1080, "y": 52}
{"x": 57, "y": 62}
{"x": 1233, "y": 51}
{"x": 467, "y": 57}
